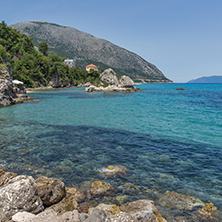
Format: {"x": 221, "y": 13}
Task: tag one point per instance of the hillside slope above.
{"x": 207, "y": 79}
{"x": 85, "y": 48}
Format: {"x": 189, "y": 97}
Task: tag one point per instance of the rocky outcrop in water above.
{"x": 110, "y": 83}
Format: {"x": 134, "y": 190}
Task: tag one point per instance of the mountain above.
{"x": 209, "y": 79}
{"x": 85, "y": 48}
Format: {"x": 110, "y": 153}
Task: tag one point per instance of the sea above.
{"x": 168, "y": 139}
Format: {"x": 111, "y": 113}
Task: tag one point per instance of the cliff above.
{"x": 8, "y": 95}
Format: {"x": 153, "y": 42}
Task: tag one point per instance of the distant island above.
{"x": 207, "y": 79}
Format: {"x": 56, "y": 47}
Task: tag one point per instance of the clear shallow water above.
{"x": 169, "y": 139}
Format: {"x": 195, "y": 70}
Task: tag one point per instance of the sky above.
{"x": 183, "y": 38}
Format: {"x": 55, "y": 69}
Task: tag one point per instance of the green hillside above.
{"x": 85, "y": 48}
{"x": 36, "y": 68}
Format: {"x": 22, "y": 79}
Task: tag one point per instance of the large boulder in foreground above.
{"x": 143, "y": 210}
{"x": 19, "y": 194}
{"x": 50, "y": 190}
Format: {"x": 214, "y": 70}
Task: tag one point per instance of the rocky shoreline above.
{"x": 24, "y": 199}
{"x": 9, "y": 93}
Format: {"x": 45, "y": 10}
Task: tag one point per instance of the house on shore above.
{"x": 70, "y": 62}
{"x": 92, "y": 67}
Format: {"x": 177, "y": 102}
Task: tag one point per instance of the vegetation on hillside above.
{"x": 35, "y": 67}
{"x": 72, "y": 43}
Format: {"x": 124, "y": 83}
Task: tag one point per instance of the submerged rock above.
{"x": 207, "y": 213}
{"x": 77, "y": 193}
{"x": 114, "y": 170}
{"x": 19, "y": 194}
{"x": 50, "y": 190}
{"x": 173, "y": 200}
{"x": 101, "y": 188}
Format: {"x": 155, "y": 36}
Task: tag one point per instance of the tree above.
{"x": 43, "y": 48}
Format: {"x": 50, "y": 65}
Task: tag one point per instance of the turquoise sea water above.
{"x": 168, "y": 139}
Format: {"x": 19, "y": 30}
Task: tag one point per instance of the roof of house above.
{"x": 91, "y": 65}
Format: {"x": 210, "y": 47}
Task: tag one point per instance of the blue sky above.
{"x": 183, "y": 38}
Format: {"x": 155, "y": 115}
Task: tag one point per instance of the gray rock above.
{"x": 110, "y": 208}
{"x": 6, "y": 93}
{"x": 143, "y": 210}
{"x": 109, "y": 77}
{"x": 50, "y": 190}
{"x": 19, "y": 194}
{"x": 97, "y": 215}
{"x": 125, "y": 82}
{"x": 121, "y": 217}
{"x": 23, "y": 217}
{"x": 5, "y": 176}
{"x": 47, "y": 216}
{"x": 173, "y": 200}
{"x": 111, "y": 89}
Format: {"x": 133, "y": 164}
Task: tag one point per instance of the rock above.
{"x": 23, "y": 217}
{"x": 97, "y": 215}
{"x": 208, "y": 213}
{"x": 114, "y": 170}
{"x": 122, "y": 199}
{"x": 101, "y": 188}
{"x": 121, "y": 217}
{"x": 125, "y": 82}
{"x": 47, "y": 216}
{"x": 19, "y": 194}
{"x": 111, "y": 89}
{"x": 110, "y": 83}
{"x": 209, "y": 208}
{"x": 5, "y": 176}
{"x": 77, "y": 193}
{"x": 180, "y": 88}
{"x": 110, "y": 208}
{"x": 143, "y": 210}
{"x": 6, "y": 92}
{"x": 108, "y": 77}
{"x": 173, "y": 200}
{"x": 50, "y": 190}
{"x": 68, "y": 203}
